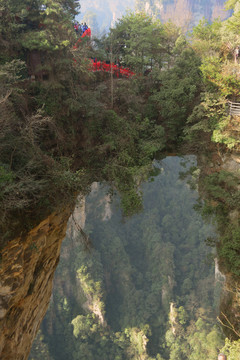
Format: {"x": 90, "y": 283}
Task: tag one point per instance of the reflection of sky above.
{"x": 106, "y": 12}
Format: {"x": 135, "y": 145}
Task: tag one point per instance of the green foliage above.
{"x": 40, "y": 349}
{"x": 174, "y": 81}
{"x": 182, "y": 315}
{"x": 129, "y": 143}
{"x": 6, "y": 177}
{"x": 11, "y": 74}
{"x": 231, "y": 349}
{"x": 217, "y": 78}
{"x": 229, "y": 249}
{"x": 216, "y": 44}
{"x": 33, "y": 153}
{"x": 131, "y": 201}
{"x": 224, "y": 138}
{"x": 130, "y": 276}
{"x": 62, "y": 133}
{"x": 230, "y": 4}
{"x": 179, "y": 88}
{"x": 206, "y": 37}
{"x": 38, "y": 28}
{"x": 138, "y": 41}
{"x": 222, "y": 187}
{"x": 194, "y": 340}
{"x": 48, "y": 122}
{"x": 83, "y": 326}
{"x": 222, "y": 194}
{"x": 210, "y": 116}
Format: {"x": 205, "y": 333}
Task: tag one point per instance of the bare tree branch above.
{"x": 86, "y": 239}
{"x": 6, "y": 97}
{"x": 229, "y": 325}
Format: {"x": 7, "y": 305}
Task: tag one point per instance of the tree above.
{"x": 206, "y": 38}
{"x": 138, "y": 41}
{"x": 231, "y": 349}
{"x": 38, "y": 24}
{"x": 180, "y": 87}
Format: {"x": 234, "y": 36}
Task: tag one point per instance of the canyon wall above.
{"x": 100, "y": 15}
{"x": 26, "y": 272}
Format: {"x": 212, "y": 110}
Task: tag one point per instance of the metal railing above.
{"x": 234, "y": 108}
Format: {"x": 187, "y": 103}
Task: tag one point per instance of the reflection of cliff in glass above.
{"x": 146, "y": 289}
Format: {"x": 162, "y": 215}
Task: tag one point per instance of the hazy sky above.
{"x": 101, "y": 14}
{"x": 105, "y": 11}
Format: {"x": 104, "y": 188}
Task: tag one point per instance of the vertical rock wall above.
{"x": 229, "y": 313}
{"x": 26, "y": 273}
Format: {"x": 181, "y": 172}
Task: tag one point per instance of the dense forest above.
{"x": 64, "y": 127}
{"x": 148, "y": 284}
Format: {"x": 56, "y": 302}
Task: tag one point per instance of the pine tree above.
{"x": 138, "y": 41}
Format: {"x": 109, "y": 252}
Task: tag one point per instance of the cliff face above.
{"x": 230, "y": 302}
{"x": 26, "y": 273}
{"x": 186, "y": 13}
{"x": 229, "y": 313}
{"x": 101, "y": 14}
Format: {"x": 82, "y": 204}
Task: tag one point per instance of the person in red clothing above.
{"x": 76, "y": 27}
{"x": 98, "y": 65}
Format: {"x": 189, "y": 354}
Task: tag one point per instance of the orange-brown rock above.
{"x": 26, "y": 273}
